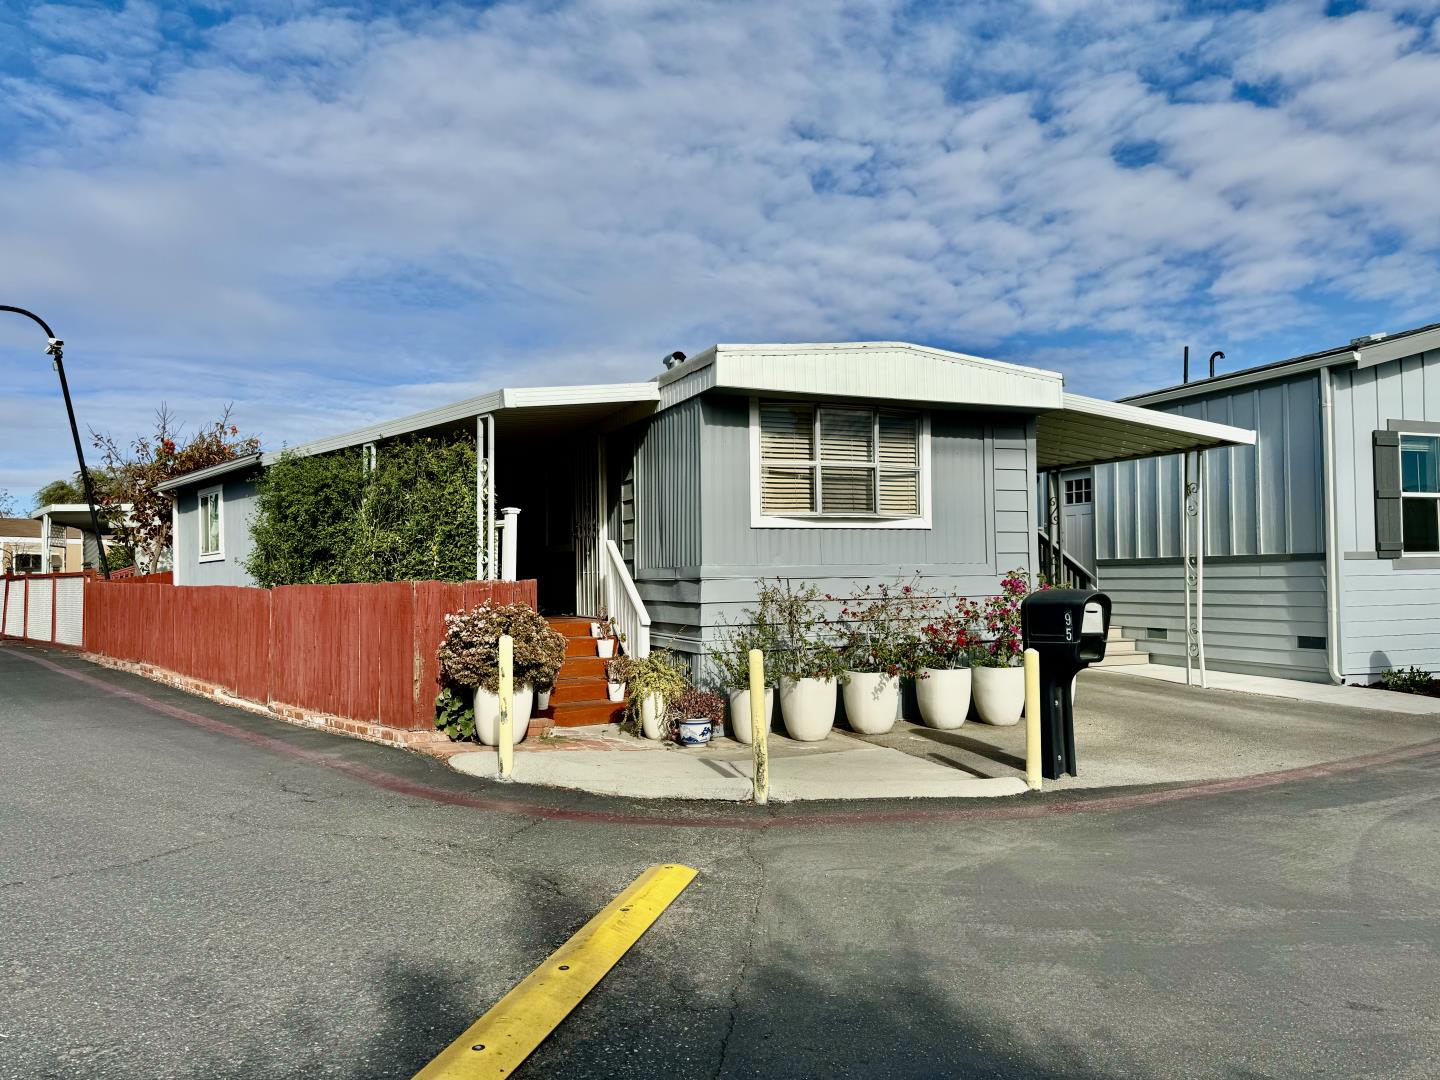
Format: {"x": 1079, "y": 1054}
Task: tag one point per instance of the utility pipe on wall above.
{"x": 1333, "y": 656}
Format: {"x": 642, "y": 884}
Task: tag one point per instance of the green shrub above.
{"x": 455, "y": 713}
{"x": 324, "y": 519}
{"x": 1406, "y": 680}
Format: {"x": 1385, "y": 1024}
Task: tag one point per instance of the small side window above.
{"x": 211, "y": 524}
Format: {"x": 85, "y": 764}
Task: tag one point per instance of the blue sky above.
{"x": 333, "y": 214}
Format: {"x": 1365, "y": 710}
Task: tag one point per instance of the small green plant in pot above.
{"x": 469, "y": 658}
{"x": 618, "y": 672}
{"x": 807, "y": 659}
{"x": 654, "y": 682}
{"x": 879, "y": 631}
{"x": 730, "y": 661}
{"x": 696, "y": 715}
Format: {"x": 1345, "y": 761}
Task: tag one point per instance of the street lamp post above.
{"x": 56, "y": 349}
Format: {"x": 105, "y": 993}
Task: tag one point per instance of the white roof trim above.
{"x": 200, "y": 475}
{"x": 868, "y": 370}
{"x": 521, "y": 397}
{"x": 1088, "y": 431}
{"x": 1397, "y": 348}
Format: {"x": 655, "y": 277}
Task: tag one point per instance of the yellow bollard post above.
{"x": 506, "y": 736}
{"x": 759, "y": 728}
{"x": 1032, "y": 719}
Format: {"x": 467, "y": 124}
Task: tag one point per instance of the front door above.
{"x": 586, "y": 531}
{"x": 1077, "y": 497}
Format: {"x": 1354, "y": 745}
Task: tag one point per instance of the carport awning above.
{"x": 1088, "y": 431}
{"x": 74, "y": 516}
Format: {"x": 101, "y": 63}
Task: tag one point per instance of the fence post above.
{"x": 759, "y": 728}
{"x": 1032, "y": 719}
{"x": 507, "y": 703}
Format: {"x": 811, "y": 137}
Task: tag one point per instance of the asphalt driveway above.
{"x": 193, "y": 891}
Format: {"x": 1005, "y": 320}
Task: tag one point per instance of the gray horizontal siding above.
{"x": 1254, "y": 612}
{"x": 1262, "y": 499}
{"x": 238, "y": 498}
{"x": 1390, "y": 617}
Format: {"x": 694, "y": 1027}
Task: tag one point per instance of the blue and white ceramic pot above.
{"x": 694, "y": 732}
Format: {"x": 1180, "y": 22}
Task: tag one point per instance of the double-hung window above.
{"x": 1420, "y": 493}
{"x": 838, "y": 464}
{"x": 211, "y": 525}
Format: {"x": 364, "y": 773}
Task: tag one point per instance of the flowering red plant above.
{"x": 1000, "y": 620}
{"x": 951, "y": 639}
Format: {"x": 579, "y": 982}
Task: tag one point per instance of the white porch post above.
{"x": 1192, "y": 539}
{"x": 485, "y": 563}
{"x": 509, "y": 542}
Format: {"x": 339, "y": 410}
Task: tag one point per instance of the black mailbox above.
{"x": 1068, "y": 628}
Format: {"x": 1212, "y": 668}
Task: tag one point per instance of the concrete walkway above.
{"x": 841, "y": 767}
{"x": 1351, "y": 697}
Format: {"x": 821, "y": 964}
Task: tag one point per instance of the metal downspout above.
{"x": 1332, "y": 530}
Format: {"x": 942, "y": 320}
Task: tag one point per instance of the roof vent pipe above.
{"x": 674, "y": 358}
{"x": 1216, "y": 355}
{"x": 1186, "y": 376}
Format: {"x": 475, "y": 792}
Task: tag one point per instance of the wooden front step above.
{"x": 579, "y": 696}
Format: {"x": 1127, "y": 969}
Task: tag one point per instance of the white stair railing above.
{"x": 623, "y": 603}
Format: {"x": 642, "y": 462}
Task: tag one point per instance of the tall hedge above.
{"x": 324, "y": 519}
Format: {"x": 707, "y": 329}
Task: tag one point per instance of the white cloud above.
{"x": 328, "y": 220}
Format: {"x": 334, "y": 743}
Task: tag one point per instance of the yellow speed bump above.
{"x": 499, "y": 1041}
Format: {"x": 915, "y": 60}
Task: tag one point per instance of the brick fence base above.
{"x": 435, "y": 743}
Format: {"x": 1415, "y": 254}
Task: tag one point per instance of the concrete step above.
{"x": 1120, "y": 646}
{"x": 1122, "y": 659}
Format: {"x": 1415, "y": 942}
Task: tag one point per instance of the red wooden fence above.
{"x": 366, "y": 652}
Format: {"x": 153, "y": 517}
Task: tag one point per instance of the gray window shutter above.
{"x": 1389, "y": 537}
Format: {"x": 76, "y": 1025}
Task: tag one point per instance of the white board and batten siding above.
{"x": 1265, "y": 535}
{"x": 1389, "y": 608}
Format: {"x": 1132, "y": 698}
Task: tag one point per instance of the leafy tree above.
{"x": 133, "y": 471}
{"x": 304, "y": 523}
{"x": 325, "y": 519}
{"x": 7, "y": 504}
{"x": 61, "y": 491}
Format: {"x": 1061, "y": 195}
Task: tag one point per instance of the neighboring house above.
{"x": 669, "y": 498}
{"x": 23, "y": 545}
{"x": 1322, "y": 556}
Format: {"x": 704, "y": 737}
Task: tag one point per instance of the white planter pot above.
{"x": 596, "y": 630}
{"x": 944, "y": 697}
{"x": 616, "y": 690}
{"x": 652, "y": 716}
{"x": 605, "y": 647}
{"x": 999, "y": 695}
{"x": 740, "y": 714}
{"x": 872, "y": 701}
{"x": 542, "y": 699}
{"x": 487, "y": 715}
{"x": 808, "y": 706}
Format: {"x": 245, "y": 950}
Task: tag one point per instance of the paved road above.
{"x": 259, "y": 900}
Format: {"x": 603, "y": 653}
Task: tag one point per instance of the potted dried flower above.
{"x": 617, "y": 674}
{"x": 999, "y": 684}
{"x": 880, "y": 633}
{"x": 469, "y": 658}
{"x": 654, "y": 681}
{"x": 948, "y": 644}
{"x": 696, "y": 714}
{"x": 609, "y": 638}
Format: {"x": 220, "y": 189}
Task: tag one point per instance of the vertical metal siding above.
{"x": 670, "y": 480}
{"x": 1260, "y": 500}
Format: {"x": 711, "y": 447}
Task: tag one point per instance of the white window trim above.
{"x": 218, "y": 491}
{"x": 760, "y": 520}
{"x": 1431, "y": 495}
